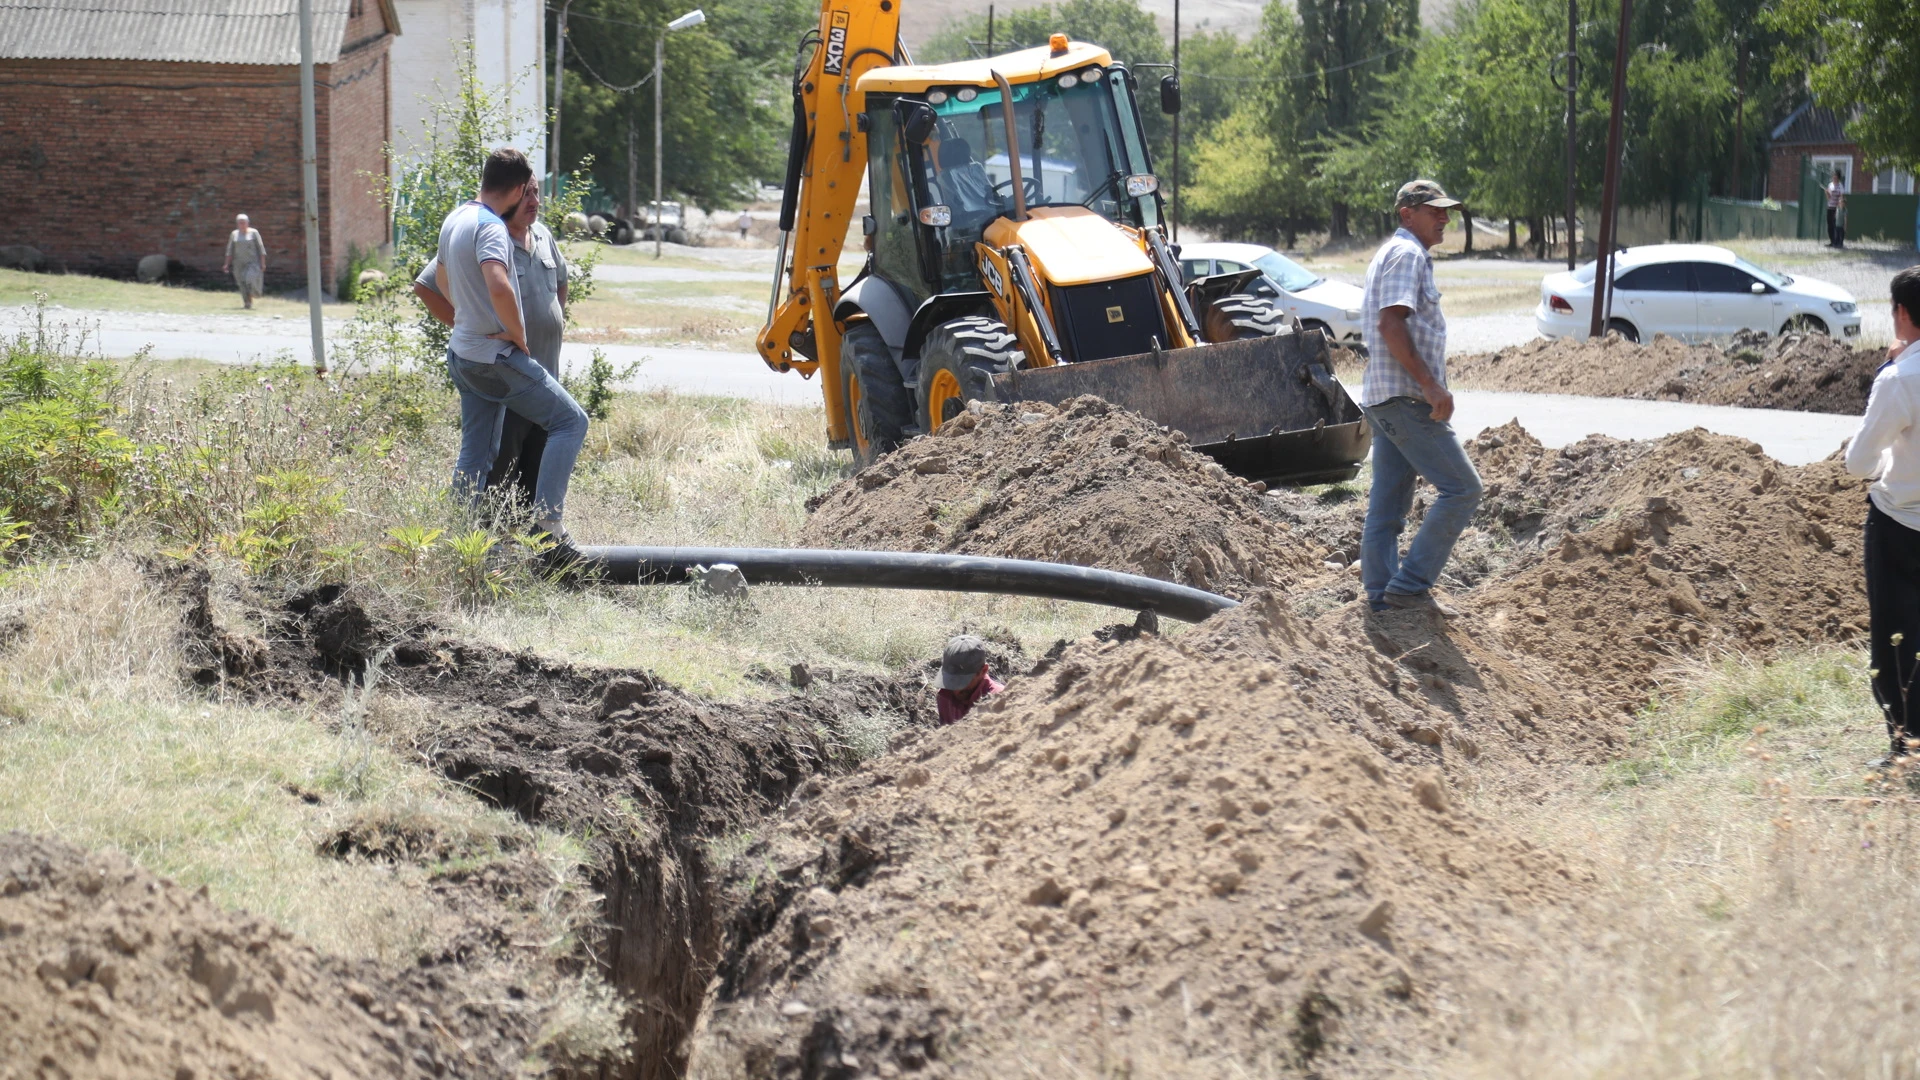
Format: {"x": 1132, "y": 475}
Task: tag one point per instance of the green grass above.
{"x": 106, "y": 294}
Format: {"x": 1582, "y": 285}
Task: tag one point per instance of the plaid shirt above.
{"x": 1401, "y": 275}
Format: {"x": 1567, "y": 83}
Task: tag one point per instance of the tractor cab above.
{"x": 941, "y": 171}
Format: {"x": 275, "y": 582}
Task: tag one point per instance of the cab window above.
{"x": 1721, "y": 278}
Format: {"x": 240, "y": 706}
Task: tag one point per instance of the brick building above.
{"x": 133, "y": 128}
{"x": 1817, "y": 133}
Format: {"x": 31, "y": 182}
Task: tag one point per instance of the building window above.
{"x": 1823, "y": 169}
{"x": 1892, "y": 182}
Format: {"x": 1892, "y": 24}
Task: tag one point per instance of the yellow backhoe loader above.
{"x": 1017, "y": 252}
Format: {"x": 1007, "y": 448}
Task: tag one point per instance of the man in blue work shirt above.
{"x": 487, "y": 352}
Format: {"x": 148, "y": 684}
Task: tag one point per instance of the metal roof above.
{"x": 196, "y": 31}
{"x": 1809, "y": 123}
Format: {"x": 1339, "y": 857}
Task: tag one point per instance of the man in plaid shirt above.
{"x": 1407, "y": 403}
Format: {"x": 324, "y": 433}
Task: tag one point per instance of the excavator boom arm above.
{"x": 825, "y": 164}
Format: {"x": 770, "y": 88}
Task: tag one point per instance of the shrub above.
{"x": 62, "y": 465}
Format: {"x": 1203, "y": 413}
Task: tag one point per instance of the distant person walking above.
{"x": 1407, "y": 403}
{"x": 1887, "y": 447}
{"x": 745, "y": 223}
{"x": 487, "y": 353}
{"x": 540, "y": 272}
{"x": 1836, "y": 188}
{"x": 246, "y": 259}
{"x": 1840, "y": 224}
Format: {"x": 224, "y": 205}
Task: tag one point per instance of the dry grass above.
{"x": 106, "y": 294}
{"x": 1754, "y": 911}
{"x": 103, "y": 743}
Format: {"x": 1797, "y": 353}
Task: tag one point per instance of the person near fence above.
{"x": 1836, "y": 189}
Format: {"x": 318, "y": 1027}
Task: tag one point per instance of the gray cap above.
{"x": 964, "y": 658}
{"x": 1423, "y": 193}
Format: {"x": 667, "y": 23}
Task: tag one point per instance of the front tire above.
{"x": 957, "y": 365}
{"x": 1804, "y": 324}
{"x": 1238, "y": 317}
{"x": 879, "y": 405}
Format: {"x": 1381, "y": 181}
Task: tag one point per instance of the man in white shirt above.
{"x": 1887, "y": 446}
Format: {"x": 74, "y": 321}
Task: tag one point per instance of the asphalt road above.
{"x": 1556, "y": 420}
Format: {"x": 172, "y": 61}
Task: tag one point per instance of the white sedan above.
{"x": 1694, "y": 292}
{"x": 1331, "y": 307}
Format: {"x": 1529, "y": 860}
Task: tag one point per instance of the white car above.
{"x": 1694, "y": 292}
{"x": 1331, "y": 307}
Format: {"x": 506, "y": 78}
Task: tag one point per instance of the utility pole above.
{"x": 1176, "y": 125}
{"x": 559, "y": 65}
{"x": 1573, "y": 140}
{"x": 690, "y": 19}
{"x": 1610, "y": 186}
{"x": 989, "y": 29}
{"x": 310, "y": 181}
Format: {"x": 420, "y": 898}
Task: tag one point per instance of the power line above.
{"x": 644, "y": 79}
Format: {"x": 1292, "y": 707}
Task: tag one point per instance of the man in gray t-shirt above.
{"x": 487, "y": 354}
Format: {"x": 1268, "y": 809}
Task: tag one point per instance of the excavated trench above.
{"x": 652, "y": 775}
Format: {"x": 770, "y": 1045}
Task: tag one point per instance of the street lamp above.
{"x": 690, "y": 19}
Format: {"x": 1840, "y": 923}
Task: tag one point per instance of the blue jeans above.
{"x": 1408, "y": 443}
{"x": 515, "y": 383}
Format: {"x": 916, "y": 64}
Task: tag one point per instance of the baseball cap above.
{"x": 964, "y": 658}
{"x": 1423, "y": 193}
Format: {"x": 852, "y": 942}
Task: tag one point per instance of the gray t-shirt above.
{"x": 473, "y": 235}
{"x": 539, "y": 273}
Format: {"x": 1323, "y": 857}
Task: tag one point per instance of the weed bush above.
{"x": 62, "y": 463}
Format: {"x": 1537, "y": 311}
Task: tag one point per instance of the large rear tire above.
{"x": 879, "y": 405}
{"x": 957, "y": 362}
{"x": 1239, "y": 317}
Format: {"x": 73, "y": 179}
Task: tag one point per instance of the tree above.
{"x": 727, "y": 86}
{"x": 1346, "y": 51}
{"x": 1868, "y": 65}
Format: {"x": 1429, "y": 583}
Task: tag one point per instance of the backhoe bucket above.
{"x": 1266, "y": 408}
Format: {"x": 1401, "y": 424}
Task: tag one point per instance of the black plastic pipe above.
{"x": 911, "y": 570}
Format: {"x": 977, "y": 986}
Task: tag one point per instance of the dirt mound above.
{"x": 108, "y": 971}
{"x": 1803, "y": 372}
{"x": 1698, "y": 544}
{"x": 1160, "y": 858}
{"x": 1087, "y": 483}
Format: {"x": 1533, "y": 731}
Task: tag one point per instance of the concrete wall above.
{"x": 108, "y": 161}
{"x": 509, "y": 51}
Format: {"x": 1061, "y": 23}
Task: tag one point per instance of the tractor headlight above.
{"x": 1844, "y": 307}
{"x": 1069, "y": 81}
{"x": 1142, "y": 184}
{"x": 966, "y": 93}
{"x": 1091, "y": 74}
{"x": 938, "y": 97}
{"x": 937, "y": 216}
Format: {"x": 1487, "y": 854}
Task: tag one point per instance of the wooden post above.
{"x": 310, "y": 181}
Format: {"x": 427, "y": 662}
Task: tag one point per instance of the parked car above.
{"x": 1694, "y": 292}
{"x": 1331, "y": 307}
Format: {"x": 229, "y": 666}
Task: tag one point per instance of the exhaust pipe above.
{"x": 911, "y": 570}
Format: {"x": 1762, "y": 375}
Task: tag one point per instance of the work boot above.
{"x": 560, "y": 558}
{"x": 1424, "y": 600}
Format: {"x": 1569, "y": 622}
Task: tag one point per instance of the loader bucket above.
{"x": 1266, "y": 408}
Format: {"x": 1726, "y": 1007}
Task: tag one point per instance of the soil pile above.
{"x": 1087, "y": 483}
{"x": 1155, "y": 859}
{"x": 1694, "y": 544}
{"x": 1803, "y": 372}
{"x": 106, "y": 970}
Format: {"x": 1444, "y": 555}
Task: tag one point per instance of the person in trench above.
{"x": 540, "y": 268}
